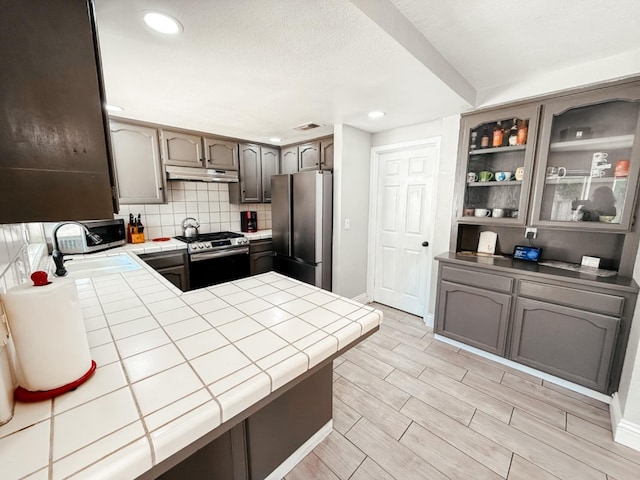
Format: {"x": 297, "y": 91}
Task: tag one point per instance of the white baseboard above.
{"x": 428, "y": 320}
{"x": 624, "y": 431}
{"x": 362, "y": 298}
{"x": 304, "y": 450}
{"x": 531, "y": 371}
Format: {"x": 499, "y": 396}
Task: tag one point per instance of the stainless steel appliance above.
{"x": 216, "y": 258}
{"x": 302, "y": 226}
{"x": 200, "y": 174}
{"x": 249, "y": 221}
{"x": 72, "y": 238}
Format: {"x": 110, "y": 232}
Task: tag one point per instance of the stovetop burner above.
{"x": 208, "y": 237}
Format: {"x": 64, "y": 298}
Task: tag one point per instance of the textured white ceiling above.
{"x": 497, "y": 43}
{"x": 255, "y": 68}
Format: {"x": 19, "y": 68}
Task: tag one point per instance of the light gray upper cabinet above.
{"x": 181, "y": 149}
{"x": 309, "y": 156}
{"x": 270, "y": 163}
{"x": 220, "y": 154}
{"x": 257, "y": 165}
{"x": 289, "y": 163}
{"x": 139, "y": 171}
{"x": 250, "y": 174}
{"x": 326, "y": 154}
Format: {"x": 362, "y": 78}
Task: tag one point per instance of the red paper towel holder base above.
{"x": 23, "y": 395}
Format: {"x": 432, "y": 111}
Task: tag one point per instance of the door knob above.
{"x": 425, "y": 244}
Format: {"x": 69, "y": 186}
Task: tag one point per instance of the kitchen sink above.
{"x": 94, "y": 267}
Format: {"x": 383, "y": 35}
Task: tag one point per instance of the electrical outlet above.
{"x": 530, "y": 233}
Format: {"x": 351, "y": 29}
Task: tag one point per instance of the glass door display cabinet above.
{"x": 496, "y": 166}
{"x": 589, "y": 160}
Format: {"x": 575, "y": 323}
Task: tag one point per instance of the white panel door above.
{"x": 404, "y": 220}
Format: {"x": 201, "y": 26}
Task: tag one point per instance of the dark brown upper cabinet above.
{"x": 55, "y": 161}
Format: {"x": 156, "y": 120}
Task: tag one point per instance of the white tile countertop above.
{"x": 172, "y": 367}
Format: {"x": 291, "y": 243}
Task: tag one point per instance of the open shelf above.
{"x": 494, "y": 183}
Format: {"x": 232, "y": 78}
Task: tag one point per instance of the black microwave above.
{"x": 72, "y": 239}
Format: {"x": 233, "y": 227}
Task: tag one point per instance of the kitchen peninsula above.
{"x": 240, "y": 371}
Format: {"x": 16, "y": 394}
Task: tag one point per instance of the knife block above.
{"x": 133, "y": 234}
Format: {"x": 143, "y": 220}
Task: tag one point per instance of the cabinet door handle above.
{"x": 425, "y": 244}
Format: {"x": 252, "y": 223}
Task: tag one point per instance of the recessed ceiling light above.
{"x": 163, "y": 23}
{"x": 114, "y": 108}
{"x": 376, "y": 114}
{"x": 275, "y": 140}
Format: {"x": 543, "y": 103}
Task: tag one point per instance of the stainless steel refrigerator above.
{"x": 302, "y": 226}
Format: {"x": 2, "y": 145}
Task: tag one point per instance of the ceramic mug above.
{"x": 519, "y": 173}
{"x": 485, "y": 176}
{"x": 472, "y": 177}
{"x": 467, "y": 212}
{"x": 482, "y": 212}
{"x": 622, "y": 168}
{"x": 556, "y": 172}
{"x": 503, "y": 176}
{"x": 498, "y": 213}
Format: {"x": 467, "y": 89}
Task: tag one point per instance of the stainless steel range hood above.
{"x": 201, "y": 174}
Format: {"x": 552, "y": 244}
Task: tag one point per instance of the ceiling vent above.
{"x": 306, "y": 126}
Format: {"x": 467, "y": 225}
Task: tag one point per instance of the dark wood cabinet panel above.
{"x": 573, "y": 344}
{"x": 474, "y": 316}
{"x": 250, "y": 174}
{"x": 55, "y": 161}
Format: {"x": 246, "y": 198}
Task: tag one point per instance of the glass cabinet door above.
{"x": 588, "y": 165}
{"x": 497, "y": 149}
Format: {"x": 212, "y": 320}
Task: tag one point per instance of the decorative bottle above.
{"x": 484, "y": 141}
{"x": 522, "y": 133}
{"x": 513, "y": 133}
{"x": 497, "y": 135}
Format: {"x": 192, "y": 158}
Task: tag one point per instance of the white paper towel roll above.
{"x": 48, "y": 333}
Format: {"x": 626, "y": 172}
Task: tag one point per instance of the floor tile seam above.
{"x": 511, "y": 404}
{"x": 362, "y": 415}
{"x": 620, "y": 454}
{"x": 360, "y": 464}
{"x": 336, "y": 473}
{"x": 462, "y": 452}
{"x": 443, "y": 389}
{"x": 576, "y": 399}
{"x": 570, "y": 403}
{"x": 601, "y": 450}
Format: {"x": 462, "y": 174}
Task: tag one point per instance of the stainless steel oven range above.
{"x": 216, "y": 258}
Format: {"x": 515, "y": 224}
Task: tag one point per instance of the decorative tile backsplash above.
{"x": 207, "y": 202}
{"x": 14, "y": 259}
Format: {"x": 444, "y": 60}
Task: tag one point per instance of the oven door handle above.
{"x": 222, "y": 253}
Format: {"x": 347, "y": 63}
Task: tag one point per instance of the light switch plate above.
{"x": 590, "y": 261}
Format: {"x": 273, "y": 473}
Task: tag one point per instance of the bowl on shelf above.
{"x": 607, "y": 218}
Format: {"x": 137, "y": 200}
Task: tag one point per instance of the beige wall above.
{"x": 351, "y": 173}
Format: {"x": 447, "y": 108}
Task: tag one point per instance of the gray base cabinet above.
{"x": 474, "y": 316}
{"x": 559, "y": 323}
{"x": 260, "y": 256}
{"x": 573, "y": 344}
{"x": 171, "y": 265}
{"x": 254, "y": 448}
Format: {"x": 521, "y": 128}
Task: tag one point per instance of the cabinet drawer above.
{"x": 583, "y": 299}
{"x": 258, "y": 246}
{"x": 477, "y": 279}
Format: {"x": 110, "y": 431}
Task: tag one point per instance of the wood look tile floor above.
{"x": 407, "y": 406}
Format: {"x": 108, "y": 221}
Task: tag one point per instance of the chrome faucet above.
{"x": 58, "y": 257}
